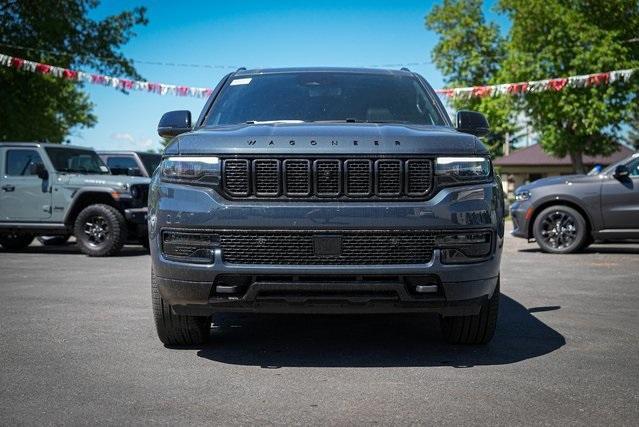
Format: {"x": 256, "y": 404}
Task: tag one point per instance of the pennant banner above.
{"x": 99, "y": 79}
{"x": 555, "y": 85}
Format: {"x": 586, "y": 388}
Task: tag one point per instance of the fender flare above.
{"x": 77, "y": 195}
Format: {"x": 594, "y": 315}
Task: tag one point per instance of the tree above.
{"x": 556, "y": 38}
{"x": 37, "y": 107}
{"x": 469, "y": 53}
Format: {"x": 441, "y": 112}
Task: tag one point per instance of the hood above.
{"x": 558, "y": 180}
{"x": 112, "y": 181}
{"x": 326, "y": 139}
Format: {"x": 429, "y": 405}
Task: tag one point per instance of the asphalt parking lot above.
{"x": 78, "y": 347}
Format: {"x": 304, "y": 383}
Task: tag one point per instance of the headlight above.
{"x": 523, "y": 195}
{"x": 452, "y": 169}
{"x": 191, "y": 170}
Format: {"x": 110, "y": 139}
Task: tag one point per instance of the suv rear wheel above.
{"x": 174, "y": 329}
{"x": 474, "y": 329}
{"x": 14, "y": 242}
{"x": 560, "y": 230}
{"x": 100, "y": 230}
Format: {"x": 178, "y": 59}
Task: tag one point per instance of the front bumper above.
{"x": 136, "y": 215}
{"x": 190, "y": 289}
{"x": 520, "y": 214}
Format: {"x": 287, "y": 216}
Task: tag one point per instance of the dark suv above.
{"x": 132, "y": 163}
{"x": 564, "y": 214}
{"x": 325, "y": 190}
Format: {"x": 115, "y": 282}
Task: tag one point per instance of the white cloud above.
{"x": 123, "y": 136}
{"x": 126, "y": 141}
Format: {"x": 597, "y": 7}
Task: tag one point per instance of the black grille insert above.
{"x": 236, "y": 177}
{"x": 341, "y": 179}
{"x": 299, "y": 247}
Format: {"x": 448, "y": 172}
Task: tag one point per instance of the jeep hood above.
{"x": 326, "y": 139}
{"x": 111, "y": 181}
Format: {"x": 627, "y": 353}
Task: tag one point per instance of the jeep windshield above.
{"x": 74, "y": 160}
{"x": 298, "y": 97}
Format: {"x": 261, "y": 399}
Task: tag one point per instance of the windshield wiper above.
{"x": 267, "y": 122}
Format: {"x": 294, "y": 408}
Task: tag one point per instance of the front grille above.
{"x": 343, "y": 179}
{"x": 300, "y": 247}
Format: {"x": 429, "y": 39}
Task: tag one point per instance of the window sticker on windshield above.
{"x": 243, "y": 81}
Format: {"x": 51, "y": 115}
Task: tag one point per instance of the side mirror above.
{"x": 621, "y": 171}
{"x": 39, "y": 170}
{"x": 472, "y": 122}
{"x": 174, "y": 123}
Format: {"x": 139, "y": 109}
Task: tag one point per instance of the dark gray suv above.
{"x": 565, "y": 214}
{"x": 325, "y": 190}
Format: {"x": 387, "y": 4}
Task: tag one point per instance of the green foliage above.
{"x": 469, "y": 53}
{"x": 42, "y": 108}
{"x": 550, "y": 38}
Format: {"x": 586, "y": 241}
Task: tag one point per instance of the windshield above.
{"x": 76, "y": 161}
{"x": 324, "y": 97}
{"x": 150, "y": 162}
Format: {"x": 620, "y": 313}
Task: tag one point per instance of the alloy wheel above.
{"x": 559, "y": 229}
{"x": 97, "y": 230}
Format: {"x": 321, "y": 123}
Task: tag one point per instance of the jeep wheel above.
{"x": 100, "y": 230}
{"x": 174, "y": 329}
{"x": 53, "y": 240}
{"x": 474, "y": 329}
{"x": 15, "y": 242}
{"x": 560, "y": 230}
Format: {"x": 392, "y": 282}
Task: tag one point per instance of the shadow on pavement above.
{"x": 273, "y": 341}
{"x": 72, "y": 249}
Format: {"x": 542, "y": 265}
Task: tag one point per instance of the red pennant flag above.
{"x": 518, "y": 88}
{"x": 17, "y": 63}
{"x": 70, "y": 74}
{"x": 597, "y": 79}
{"x": 557, "y": 84}
{"x": 481, "y": 91}
{"x": 126, "y": 84}
{"x": 182, "y": 90}
{"x": 43, "y": 68}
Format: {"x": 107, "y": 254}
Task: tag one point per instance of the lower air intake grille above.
{"x": 310, "y": 248}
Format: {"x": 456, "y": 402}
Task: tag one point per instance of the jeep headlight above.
{"x": 194, "y": 170}
{"x": 453, "y": 169}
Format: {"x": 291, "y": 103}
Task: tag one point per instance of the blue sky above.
{"x": 251, "y": 34}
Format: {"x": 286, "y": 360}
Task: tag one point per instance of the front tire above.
{"x": 15, "y": 242}
{"x": 560, "y": 230}
{"x": 174, "y": 329}
{"x": 100, "y": 230}
{"x": 474, "y": 329}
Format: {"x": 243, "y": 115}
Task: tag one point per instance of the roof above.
{"x": 125, "y": 152}
{"x": 320, "y": 70}
{"x": 535, "y": 156}
{"x": 42, "y": 144}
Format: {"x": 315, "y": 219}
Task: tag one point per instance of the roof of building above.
{"x": 535, "y": 156}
